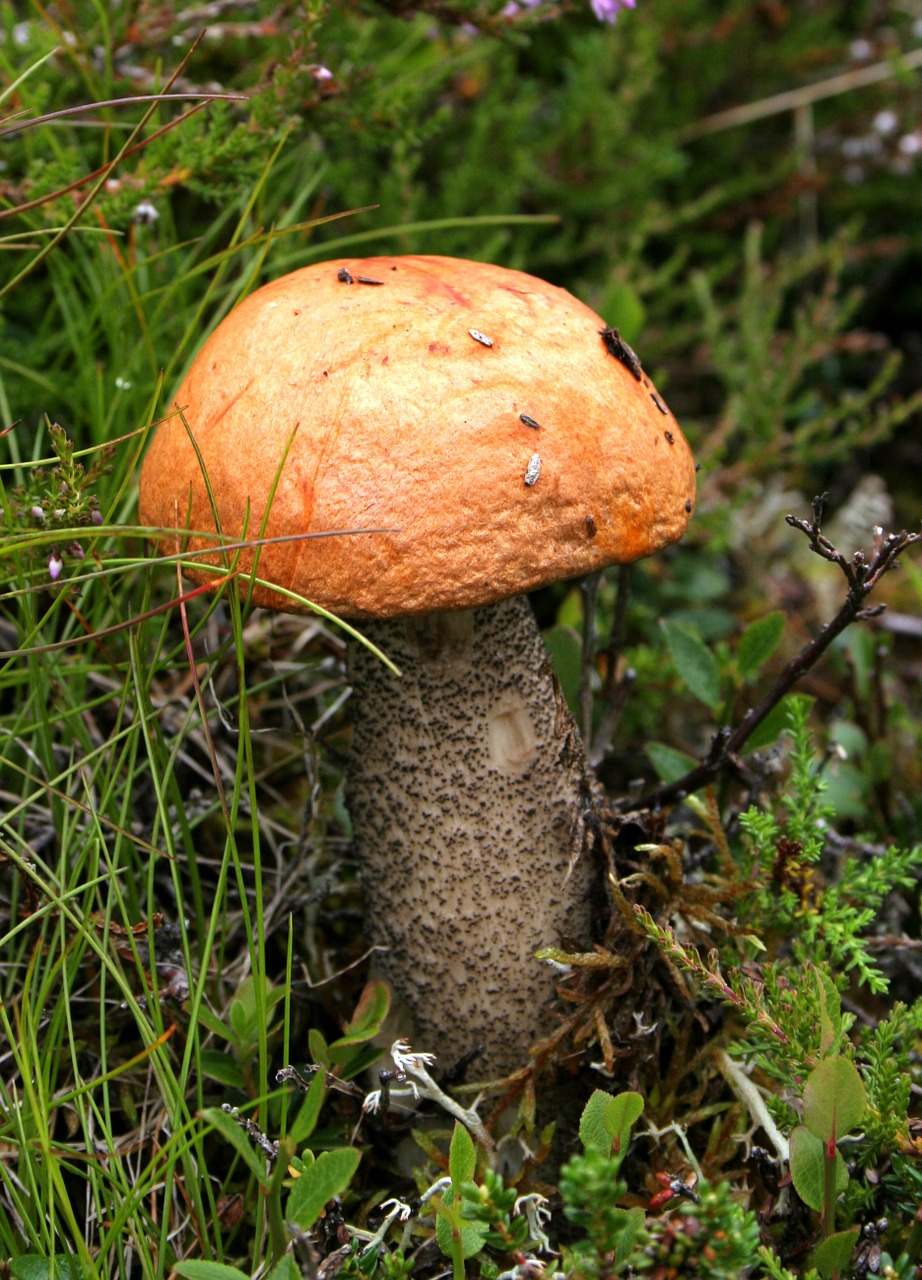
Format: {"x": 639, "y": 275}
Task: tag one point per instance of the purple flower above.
{"x": 607, "y": 10}
{"x": 55, "y": 565}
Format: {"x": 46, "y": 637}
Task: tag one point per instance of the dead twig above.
{"x": 862, "y": 575}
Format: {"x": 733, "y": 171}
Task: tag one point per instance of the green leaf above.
{"x": 627, "y": 310}
{"x": 694, "y": 662}
{"x": 669, "y": 763}
{"x": 462, "y": 1156}
{"x": 834, "y": 1099}
{"x": 359, "y": 1060}
{"x": 317, "y": 1045}
{"x": 233, "y": 1134}
{"x": 771, "y": 728}
{"x": 621, "y": 1112}
{"x": 593, "y": 1132}
{"x": 211, "y": 1022}
{"x": 208, "y": 1271}
{"x": 830, "y": 1010}
{"x": 451, "y": 1226}
{"x": 286, "y": 1269}
{"x": 219, "y": 1066}
{"x": 240, "y": 1020}
{"x": 757, "y": 644}
{"x": 328, "y": 1176}
{"x": 566, "y": 650}
{"x": 627, "y": 1236}
{"x": 305, "y": 1121}
{"x": 370, "y": 1012}
{"x": 32, "y": 1266}
{"x": 833, "y": 1257}
{"x": 808, "y": 1165}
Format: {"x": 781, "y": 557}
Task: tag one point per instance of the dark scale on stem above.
{"x": 669, "y": 436}
{"x": 529, "y": 421}
{"x": 368, "y": 280}
{"x": 659, "y": 404}
{"x": 344, "y": 275}
{"x": 617, "y": 347}
{"x": 591, "y": 526}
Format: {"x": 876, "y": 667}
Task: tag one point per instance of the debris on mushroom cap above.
{"x": 617, "y": 347}
{"x": 354, "y": 408}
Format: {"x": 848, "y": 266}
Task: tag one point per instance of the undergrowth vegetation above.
{"x": 187, "y": 1024}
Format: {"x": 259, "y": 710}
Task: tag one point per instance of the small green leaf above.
{"x": 208, "y": 1271}
{"x": 328, "y": 1176}
{"x": 566, "y": 650}
{"x": 833, "y": 1257}
{"x": 670, "y": 764}
{"x": 370, "y": 1012}
{"x": 621, "y": 1112}
{"x": 830, "y": 1010}
{"x": 358, "y": 1061}
{"x": 235, "y": 1136}
{"x": 304, "y": 1123}
{"x": 211, "y": 1022}
{"x": 239, "y": 1020}
{"x": 451, "y": 1226}
{"x": 462, "y": 1156}
{"x": 627, "y": 1236}
{"x": 286, "y": 1269}
{"x": 834, "y": 1099}
{"x": 808, "y": 1164}
{"x": 32, "y": 1266}
{"x": 318, "y": 1047}
{"x": 757, "y": 644}
{"x": 592, "y": 1130}
{"x": 769, "y": 731}
{"x": 694, "y": 662}
{"x": 219, "y": 1066}
{"x": 625, "y": 305}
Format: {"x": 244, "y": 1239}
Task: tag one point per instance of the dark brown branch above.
{"x": 862, "y": 574}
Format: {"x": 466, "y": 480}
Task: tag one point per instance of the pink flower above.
{"x": 55, "y": 565}
{"x": 607, "y": 10}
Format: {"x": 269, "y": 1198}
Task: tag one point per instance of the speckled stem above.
{"x": 466, "y": 791}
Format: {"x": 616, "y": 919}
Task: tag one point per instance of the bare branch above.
{"x": 862, "y": 575}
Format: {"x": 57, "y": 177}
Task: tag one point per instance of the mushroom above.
{"x": 502, "y": 437}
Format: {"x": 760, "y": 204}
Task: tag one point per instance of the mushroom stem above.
{"x": 467, "y": 790}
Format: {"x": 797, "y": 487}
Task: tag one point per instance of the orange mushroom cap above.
{"x": 488, "y": 422}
